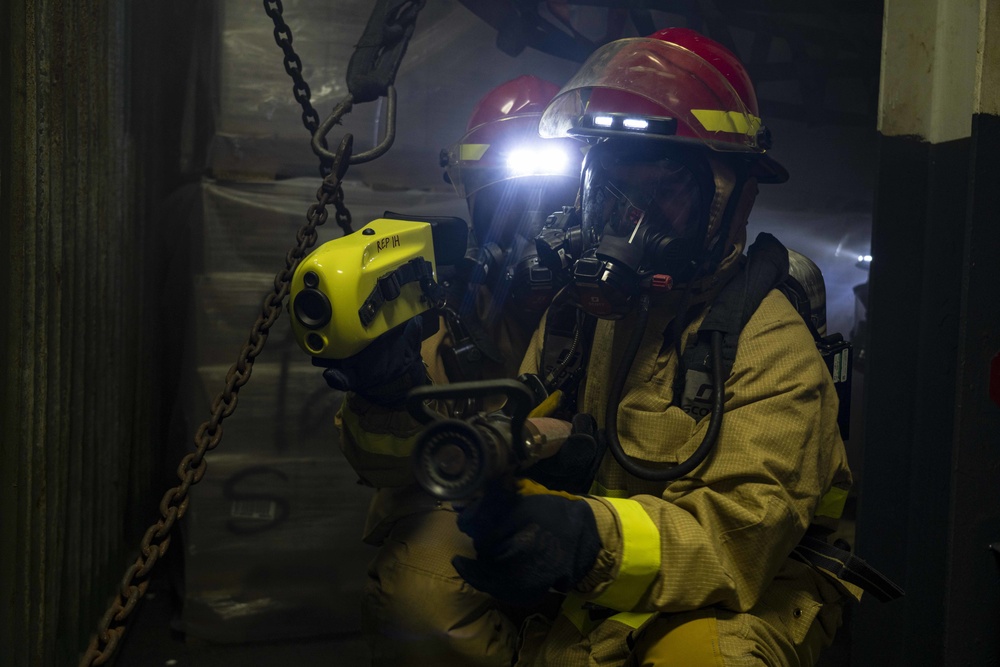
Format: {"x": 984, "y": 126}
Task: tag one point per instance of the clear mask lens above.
{"x": 663, "y": 194}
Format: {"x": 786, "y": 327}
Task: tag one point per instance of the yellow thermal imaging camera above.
{"x": 351, "y": 290}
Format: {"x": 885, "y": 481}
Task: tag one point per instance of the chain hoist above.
{"x": 370, "y": 75}
{"x": 293, "y": 66}
{"x": 174, "y": 504}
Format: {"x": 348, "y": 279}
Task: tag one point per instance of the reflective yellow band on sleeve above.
{"x": 714, "y": 120}
{"x": 640, "y": 559}
{"x": 832, "y": 503}
{"x": 472, "y": 152}
{"x": 376, "y": 443}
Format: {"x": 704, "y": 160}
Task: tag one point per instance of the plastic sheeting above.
{"x": 451, "y": 62}
{"x": 272, "y": 540}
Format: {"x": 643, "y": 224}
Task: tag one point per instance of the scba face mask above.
{"x": 648, "y": 215}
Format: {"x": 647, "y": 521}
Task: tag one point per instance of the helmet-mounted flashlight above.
{"x": 617, "y": 124}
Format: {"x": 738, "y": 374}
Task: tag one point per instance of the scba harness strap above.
{"x": 767, "y": 268}
{"x": 568, "y": 334}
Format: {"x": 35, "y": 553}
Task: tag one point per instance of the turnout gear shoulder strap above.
{"x": 765, "y": 268}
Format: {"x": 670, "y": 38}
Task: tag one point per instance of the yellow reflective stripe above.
{"x": 472, "y": 152}
{"x": 598, "y": 489}
{"x": 640, "y": 560}
{"x": 376, "y": 443}
{"x": 633, "y": 619}
{"x": 714, "y": 120}
{"x": 832, "y": 503}
{"x": 574, "y": 608}
{"x": 576, "y": 614}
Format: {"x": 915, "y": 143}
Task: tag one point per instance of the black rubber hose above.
{"x": 617, "y": 389}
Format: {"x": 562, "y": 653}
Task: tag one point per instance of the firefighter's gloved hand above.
{"x": 527, "y": 544}
{"x": 386, "y": 370}
{"x": 574, "y": 466}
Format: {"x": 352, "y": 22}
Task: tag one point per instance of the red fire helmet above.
{"x": 502, "y": 141}
{"x": 674, "y": 85}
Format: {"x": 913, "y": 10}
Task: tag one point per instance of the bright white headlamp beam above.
{"x": 527, "y": 161}
{"x": 603, "y": 121}
{"x": 635, "y": 124}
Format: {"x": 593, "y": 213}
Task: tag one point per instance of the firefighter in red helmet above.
{"x": 417, "y": 610}
{"x": 725, "y": 473}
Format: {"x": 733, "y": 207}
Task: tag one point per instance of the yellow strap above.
{"x": 548, "y": 406}
{"x": 376, "y": 443}
{"x": 640, "y": 560}
{"x": 737, "y": 122}
{"x": 832, "y": 503}
{"x": 576, "y": 614}
{"x": 472, "y": 152}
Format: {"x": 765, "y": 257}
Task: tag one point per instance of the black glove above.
{"x": 574, "y": 466}
{"x": 386, "y": 370}
{"x": 527, "y": 544}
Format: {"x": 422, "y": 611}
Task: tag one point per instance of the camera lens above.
{"x": 312, "y": 308}
{"x": 314, "y": 342}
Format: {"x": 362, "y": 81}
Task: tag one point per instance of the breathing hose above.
{"x": 617, "y": 390}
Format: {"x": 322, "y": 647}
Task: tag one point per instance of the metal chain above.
{"x": 174, "y": 504}
{"x": 293, "y": 65}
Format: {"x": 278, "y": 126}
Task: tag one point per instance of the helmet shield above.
{"x": 651, "y": 77}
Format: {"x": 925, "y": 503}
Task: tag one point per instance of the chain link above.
{"x": 293, "y": 66}
{"x": 174, "y": 504}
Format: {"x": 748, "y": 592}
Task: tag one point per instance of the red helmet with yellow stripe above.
{"x": 502, "y": 142}
{"x": 505, "y": 169}
{"x": 677, "y": 148}
{"x": 674, "y": 85}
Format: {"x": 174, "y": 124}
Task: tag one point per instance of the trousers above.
{"x": 419, "y": 612}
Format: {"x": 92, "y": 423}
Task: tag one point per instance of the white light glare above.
{"x": 603, "y": 121}
{"x": 527, "y": 161}
{"x": 635, "y": 124}
{"x": 865, "y": 258}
